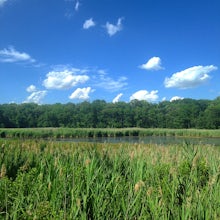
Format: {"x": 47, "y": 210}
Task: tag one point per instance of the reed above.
{"x": 54, "y": 133}
{"x": 56, "y": 180}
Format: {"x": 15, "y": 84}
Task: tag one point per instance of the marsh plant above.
{"x": 62, "y": 133}
{"x": 55, "y": 180}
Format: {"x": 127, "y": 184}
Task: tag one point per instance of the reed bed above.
{"x": 55, "y": 180}
{"x": 55, "y": 133}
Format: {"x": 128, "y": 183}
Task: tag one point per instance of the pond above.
{"x": 159, "y": 140}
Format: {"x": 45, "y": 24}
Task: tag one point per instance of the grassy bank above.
{"x": 98, "y": 132}
{"x": 53, "y": 180}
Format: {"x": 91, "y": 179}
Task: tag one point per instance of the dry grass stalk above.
{"x": 139, "y": 185}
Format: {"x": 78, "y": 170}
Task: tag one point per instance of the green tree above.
{"x": 212, "y": 114}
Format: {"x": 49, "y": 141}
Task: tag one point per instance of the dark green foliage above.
{"x": 2, "y": 134}
{"x": 186, "y": 113}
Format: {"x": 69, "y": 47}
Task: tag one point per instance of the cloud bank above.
{"x": 189, "y": 78}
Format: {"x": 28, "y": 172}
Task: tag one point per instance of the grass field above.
{"x": 54, "y": 180}
{"x": 102, "y": 132}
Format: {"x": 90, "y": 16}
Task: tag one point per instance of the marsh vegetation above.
{"x": 56, "y": 133}
{"x": 56, "y": 180}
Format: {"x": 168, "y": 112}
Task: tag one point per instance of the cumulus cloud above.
{"x": 153, "y": 63}
{"x": 31, "y": 88}
{"x": 117, "y": 98}
{"x": 174, "y": 98}
{"x": 113, "y": 29}
{"x": 88, "y": 24}
{"x": 36, "y": 97}
{"x": 65, "y": 79}
{"x": 189, "y": 78}
{"x": 81, "y": 93}
{"x": 145, "y": 95}
{"x": 2, "y": 2}
{"x": 10, "y": 55}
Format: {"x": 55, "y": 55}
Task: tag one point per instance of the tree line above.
{"x": 186, "y": 113}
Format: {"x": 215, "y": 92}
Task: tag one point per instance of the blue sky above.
{"x": 59, "y": 51}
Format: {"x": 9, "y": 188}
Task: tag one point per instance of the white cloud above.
{"x": 2, "y": 2}
{"x": 88, "y": 24}
{"x": 108, "y": 83}
{"x": 11, "y": 55}
{"x": 77, "y": 4}
{"x": 31, "y": 88}
{"x": 153, "y": 63}
{"x": 116, "y": 99}
{"x": 36, "y": 97}
{"x": 189, "y": 78}
{"x": 145, "y": 95}
{"x": 113, "y": 29}
{"x": 65, "y": 79}
{"x": 81, "y": 93}
{"x": 102, "y": 72}
{"x": 174, "y": 98}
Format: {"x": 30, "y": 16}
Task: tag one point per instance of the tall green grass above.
{"x": 55, "y": 133}
{"x": 51, "y": 180}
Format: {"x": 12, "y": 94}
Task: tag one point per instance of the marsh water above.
{"x": 159, "y": 140}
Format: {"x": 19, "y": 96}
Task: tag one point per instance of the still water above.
{"x": 148, "y": 140}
